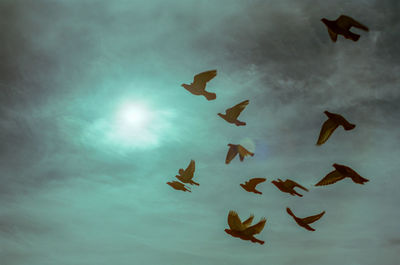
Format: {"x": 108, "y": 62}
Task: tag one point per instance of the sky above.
{"x": 82, "y": 183}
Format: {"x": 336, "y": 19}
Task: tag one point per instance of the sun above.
{"x": 135, "y": 117}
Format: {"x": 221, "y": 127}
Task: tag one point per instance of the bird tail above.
{"x": 353, "y": 36}
{"x": 240, "y": 123}
{"x": 209, "y": 95}
{"x": 195, "y": 183}
{"x": 289, "y": 211}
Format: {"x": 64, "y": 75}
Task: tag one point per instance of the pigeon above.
{"x": 243, "y": 230}
{"x": 233, "y": 113}
{"x": 251, "y": 184}
{"x": 234, "y": 149}
{"x": 342, "y": 26}
{"x": 186, "y": 175}
{"x": 288, "y": 186}
{"x": 330, "y": 125}
{"x": 340, "y": 173}
{"x": 304, "y": 222}
{"x": 198, "y": 86}
{"x": 178, "y": 186}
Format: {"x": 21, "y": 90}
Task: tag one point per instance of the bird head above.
{"x": 325, "y": 21}
{"x": 221, "y": 115}
{"x": 243, "y": 186}
{"x": 181, "y": 171}
{"x": 185, "y": 86}
{"x": 274, "y": 182}
{"x": 228, "y": 231}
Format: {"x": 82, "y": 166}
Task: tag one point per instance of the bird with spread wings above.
{"x": 179, "y": 186}
{"x": 233, "y": 113}
{"x": 243, "y": 230}
{"x": 198, "y": 86}
{"x": 342, "y": 26}
{"x": 288, "y": 186}
{"x": 304, "y": 222}
{"x": 341, "y": 172}
{"x": 235, "y": 149}
{"x": 334, "y": 120}
{"x": 251, "y": 184}
{"x": 186, "y": 175}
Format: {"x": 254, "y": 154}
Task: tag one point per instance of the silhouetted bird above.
{"x": 303, "y": 222}
{"x": 243, "y": 230}
{"x": 251, "y": 184}
{"x": 288, "y": 186}
{"x": 234, "y": 149}
{"x": 340, "y": 173}
{"x": 233, "y": 113}
{"x": 178, "y": 186}
{"x": 198, "y": 87}
{"x": 330, "y": 125}
{"x": 186, "y": 175}
{"x": 342, "y": 26}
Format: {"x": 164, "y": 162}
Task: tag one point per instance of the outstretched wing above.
{"x": 247, "y": 223}
{"x": 232, "y": 152}
{"x": 234, "y": 221}
{"x": 255, "y": 229}
{"x": 204, "y": 77}
{"x": 312, "y": 219}
{"x": 243, "y": 152}
{"x": 235, "y": 111}
{"x": 330, "y": 178}
{"x": 291, "y": 184}
{"x": 189, "y": 171}
{"x": 347, "y": 22}
{"x": 327, "y": 129}
{"x": 252, "y": 183}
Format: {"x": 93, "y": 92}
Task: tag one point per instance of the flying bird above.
{"x": 178, "y": 186}
{"x": 243, "y": 230}
{"x": 234, "y": 149}
{"x": 342, "y": 26}
{"x": 251, "y": 184}
{"x": 198, "y": 86}
{"x": 186, "y": 175}
{"x": 233, "y": 113}
{"x": 304, "y": 222}
{"x": 340, "y": 173}
{"x": 330, "y": 125}
{"x": 288, "y": 186}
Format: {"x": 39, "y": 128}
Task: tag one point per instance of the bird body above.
{"x": 186, "y": 175}
{"x": 334, "y": 120}
{"x": 178, "y": 186}
{"x": 342, "y": 26}
{"x": 243, "y": 230}
{"x": 340, "y": 173}
{"x": 251, "y": 184}
{"x": 231, "y": 114}
{"x": 304, "y": 222}
{"x": 198, "y": 86}
{"x": 288, "y": 186}
{"x": 235, "y": 149}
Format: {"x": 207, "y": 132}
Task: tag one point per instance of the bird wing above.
{"x": 252, "y": 183}
{"x": 327, "y": 129}
{"x": 235, "y": 111}
{"x": 332, "y": 34}
{"x": 232, "y": 152}
{"x": 291, "y": 184}
{"x": 330, "y": 178}
{"x": 189, "y": 171}
{"x": 234, "y": 221}
{"x": 243, "y": 152}
{"x": 342, "y": 121}
{"x": 204, "y": 77}
{"x": 247, "y": 223}
{"x": 312, "y": 219}
{"x": 347, "y": 22}
{"x": 255, "y": 229}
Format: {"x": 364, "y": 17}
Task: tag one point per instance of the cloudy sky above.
{"x": 83, "y": 184}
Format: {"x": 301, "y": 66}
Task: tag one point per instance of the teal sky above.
{"x": 81, "y": 186}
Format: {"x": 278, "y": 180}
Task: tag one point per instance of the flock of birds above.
{"x": 244, "y": 230}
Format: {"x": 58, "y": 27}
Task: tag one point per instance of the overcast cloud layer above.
{"x": 78, "y": 189}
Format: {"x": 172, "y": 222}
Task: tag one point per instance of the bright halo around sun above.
{"x": 138, "y": 125}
